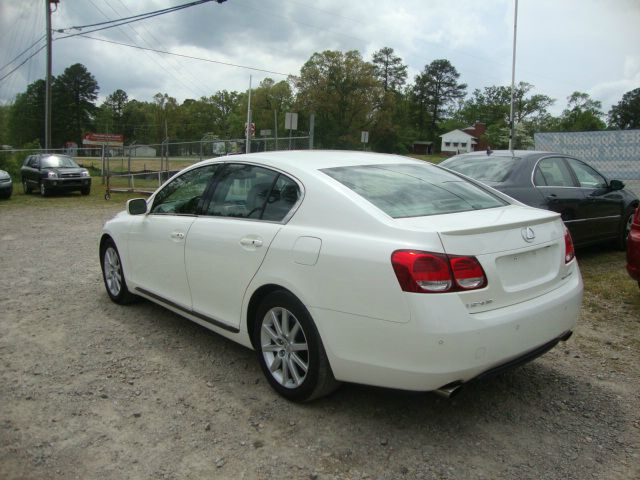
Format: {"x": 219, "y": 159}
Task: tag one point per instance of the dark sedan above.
{"x": 594, "y": 208}
{"x": 52, "y": 172}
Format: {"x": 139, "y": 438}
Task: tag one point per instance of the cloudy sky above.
{"x": 563, "y": 46}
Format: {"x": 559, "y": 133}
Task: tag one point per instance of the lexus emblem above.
{"x": 528, "y": 234}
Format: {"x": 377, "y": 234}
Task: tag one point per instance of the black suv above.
{"x": 53, "y": 172}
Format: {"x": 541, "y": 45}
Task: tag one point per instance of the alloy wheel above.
{"x": 112, "y": 271}
{"x": 284, "y": 347}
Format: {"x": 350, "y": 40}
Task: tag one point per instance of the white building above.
{"x": 140, "y": 151}
{"x": 458, "y": 141}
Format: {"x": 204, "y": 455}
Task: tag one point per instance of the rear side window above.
{"x": 249, "y": 191}
{"x": 484, "y": 168}
{"x": 414, "y": 190}
{"x": 553, "y": 172}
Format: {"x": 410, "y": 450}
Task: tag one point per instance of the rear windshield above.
{"x": 413, "y": 190}
{"x": 483, "y": 167}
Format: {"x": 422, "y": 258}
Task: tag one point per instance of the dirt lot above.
{"x": 89, "y": 389}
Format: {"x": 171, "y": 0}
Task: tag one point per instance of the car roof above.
{"x": 507, "y": 153}
{"x": 310, "y": 161}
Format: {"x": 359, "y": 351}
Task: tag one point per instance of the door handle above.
{"x": 177, "y": 235}
{"x": 251, "y": 242}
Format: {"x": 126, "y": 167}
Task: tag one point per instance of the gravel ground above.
{"x": 89, "y": 389}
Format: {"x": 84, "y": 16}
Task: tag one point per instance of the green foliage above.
{"x": 582, "y": 114}
{"x": 26, "y": 115}
{"x": 73, "y": 112}
{"x": 12, "y": 161}
{"x": 625, "y": 115}
{"x": 343, "y": 92}
{"x": 389, "y": 69}
{"x": 435, "y": 90}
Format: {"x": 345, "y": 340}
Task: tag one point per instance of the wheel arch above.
{"x": 254, "y": 303}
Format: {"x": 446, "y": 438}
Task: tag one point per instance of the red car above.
{"x": 633, "y": 248}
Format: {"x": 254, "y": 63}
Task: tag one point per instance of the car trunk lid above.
{"x": 521, "y": 250}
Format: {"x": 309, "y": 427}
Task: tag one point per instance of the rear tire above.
{"x": 290, "y": 350}
{"x": 113, "y": 275}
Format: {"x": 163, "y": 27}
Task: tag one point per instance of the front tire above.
{"x": 85, "y": 190}
{"x": 44, "y": 191}
{"x": 26, "y": 188}
{"x": 113, "y": 275}
{"x": 290, "y": 351}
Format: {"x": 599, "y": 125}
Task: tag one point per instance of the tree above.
{"x": 343, "y": 92}
{"x": 625, "y": 114}
{"x": 26, "y": 115}
{"x": 492, "y": 106}
{"x": 74, "y": 94}
{"x": 435, "y": 89}
{"x": 4, "y": 122}
{"x": 389, "y": 69}
{"x": 229, "y": 118}
{"x": 582, "y": 114}
{"x": 269, "y": 101}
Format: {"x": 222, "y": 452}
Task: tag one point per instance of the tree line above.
{"x": 347, "y": 94}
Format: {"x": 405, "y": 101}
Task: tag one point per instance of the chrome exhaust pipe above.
{"x": 449, "y": 391}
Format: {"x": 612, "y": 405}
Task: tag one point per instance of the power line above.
{"x": 23, "y": 52}
{"x": 151, "y": 55}
{"x": 23, "y": 62}
{"x": 255, "y": 69}
{"x": 134, "y": 18}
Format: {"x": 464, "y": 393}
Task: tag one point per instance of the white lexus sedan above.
{"x": 341, "y": 266}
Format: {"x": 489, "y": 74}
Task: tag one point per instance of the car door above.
{"x": 602, "y": 208}
{"x": 32, "y": 171}
{"x": 228, "y": 242}
{"x": 157, "y": 239}
{"x": 554, "y": 180}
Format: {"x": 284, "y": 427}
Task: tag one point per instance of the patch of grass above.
{"x": 67, "y": 200}
{"x": 429, "y": 158}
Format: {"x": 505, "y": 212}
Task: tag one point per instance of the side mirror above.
{"x": 616, "y": 185}
{"x": 137, "y": 206}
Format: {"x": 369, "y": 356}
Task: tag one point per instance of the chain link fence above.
{"x": 143, "y": 168}
{"x": 616, "y": 153}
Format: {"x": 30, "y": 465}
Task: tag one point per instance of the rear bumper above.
{"x": 443, "y": 343}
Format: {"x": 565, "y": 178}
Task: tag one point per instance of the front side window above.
{"x": 249, "y": 191}
{"x": 587, "y": 176}
{"x": 182, "y": 195}
{"x": 552, "y": 172}
{"x": 414, "y": 190}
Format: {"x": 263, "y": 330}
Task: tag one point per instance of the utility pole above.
{"x": 513, "y": 78}
{"x": 247, "y": 147}
{"x": 47, "y": 95}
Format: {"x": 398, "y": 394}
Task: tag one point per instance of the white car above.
{"x": 348, "y": 266}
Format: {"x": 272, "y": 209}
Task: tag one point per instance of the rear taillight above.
{"x": 427, "y": 272}
{"x": 569, "y": 252}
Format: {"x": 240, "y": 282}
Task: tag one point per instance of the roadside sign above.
{"x": 291, "y": 121}
{"x": 115, "y": 140}
{"x": 364, "y": 137}
{"x": 265, "y": 133}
